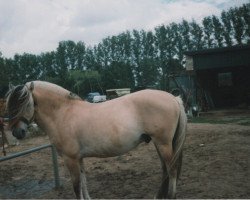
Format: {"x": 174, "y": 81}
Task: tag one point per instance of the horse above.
{"x": 81, "y": 129}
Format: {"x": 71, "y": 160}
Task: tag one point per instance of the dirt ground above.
{"x": 216, "y": 165}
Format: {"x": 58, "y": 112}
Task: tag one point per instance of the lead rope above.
{"x": 2, "y": 130}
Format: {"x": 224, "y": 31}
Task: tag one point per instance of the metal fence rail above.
{"x": 54, "y": 159}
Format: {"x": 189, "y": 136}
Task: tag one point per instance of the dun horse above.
{"x": 80, "y": 129}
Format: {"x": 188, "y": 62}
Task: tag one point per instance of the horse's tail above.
{"x": 179, "y": 137}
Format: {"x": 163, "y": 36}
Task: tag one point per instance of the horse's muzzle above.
{"x": 19, "y": 133}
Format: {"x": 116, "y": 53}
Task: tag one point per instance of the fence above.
{"x": 54, "y": 159}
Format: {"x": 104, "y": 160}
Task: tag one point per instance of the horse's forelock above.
{"x": 16, "y": 100}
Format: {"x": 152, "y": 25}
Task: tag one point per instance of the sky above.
{"x": 36, "y": 26}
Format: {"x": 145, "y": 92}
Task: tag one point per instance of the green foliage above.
{"x": 83, "y": 82}
{"x": 227, "y": 31}
{"x": 208, "y": 32}
{"x": 238, "y": 24}
{"x": 129, "y": 59}
{"x": 218, "y": 31}
{"x": 197, "y": 35}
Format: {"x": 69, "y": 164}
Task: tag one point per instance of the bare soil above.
{"x": 216, "y": 165}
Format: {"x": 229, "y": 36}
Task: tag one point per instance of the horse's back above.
{"x": 156, "y": 96}
{"x": 155, "y": 101}
{"x": 147, "y": 102}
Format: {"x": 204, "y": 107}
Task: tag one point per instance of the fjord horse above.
{"x": 80, "y": 129}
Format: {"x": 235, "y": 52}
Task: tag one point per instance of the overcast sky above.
{"x": 35, "y": 26}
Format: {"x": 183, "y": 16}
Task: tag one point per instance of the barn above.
{"x": 221, "y": 76}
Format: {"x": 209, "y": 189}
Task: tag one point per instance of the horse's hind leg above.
{"x": 172, "y": 183}
{"x": 169, "y": 179}
{"x": 163, "y": 191}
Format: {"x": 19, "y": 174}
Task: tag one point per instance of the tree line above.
{"x": 130, "y": 59}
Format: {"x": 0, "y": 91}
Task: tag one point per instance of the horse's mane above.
{"x": 56, "y": 89}
{"x": 19, "y": 97}
{"x": 17, "y": 100}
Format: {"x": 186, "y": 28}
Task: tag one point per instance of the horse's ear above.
{"x": 32, "y": 86}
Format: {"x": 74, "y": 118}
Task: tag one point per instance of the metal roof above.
{"x": 217, "y": 50}
{"x": 234, "y": 56}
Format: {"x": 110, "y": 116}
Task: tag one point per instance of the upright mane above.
{"x": 17, "y": 100}
{"x": 50, "y": 87}
{"x": 56, "y": 89}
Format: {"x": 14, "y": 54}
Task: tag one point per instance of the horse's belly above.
{"x": 110, "y": 146}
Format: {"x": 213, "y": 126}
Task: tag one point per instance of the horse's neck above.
{"x": 49, "y": 105}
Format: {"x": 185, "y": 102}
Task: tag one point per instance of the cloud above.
{"x": 36, "y": 26}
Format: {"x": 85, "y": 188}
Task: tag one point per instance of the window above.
{"x": 225, "y": 79}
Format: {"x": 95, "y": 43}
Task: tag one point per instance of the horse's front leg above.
{"x": 74, "y": 168}
{"x": 84, "y": 181}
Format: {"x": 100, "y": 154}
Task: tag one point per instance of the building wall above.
{"x": 222, "y": 75}
{"x": 228, "y": 86}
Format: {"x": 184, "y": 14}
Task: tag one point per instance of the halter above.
{"x": 22, "y": 119}
{"x": 26, "y": 121}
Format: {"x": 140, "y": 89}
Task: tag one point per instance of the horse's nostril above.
{"x": 18, "y": 133}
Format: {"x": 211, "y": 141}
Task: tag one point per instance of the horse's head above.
{"x": 20, "y": 108}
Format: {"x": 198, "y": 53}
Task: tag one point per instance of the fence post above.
{"x": 55, "y": 166}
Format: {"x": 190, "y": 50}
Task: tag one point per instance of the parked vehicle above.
{"x": 95, "y": 97}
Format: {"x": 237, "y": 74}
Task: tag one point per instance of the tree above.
{"x": 166, "y": 44}
{"x": 217, "y": 31}
{"x": 245, "y": 13}
{"x": 227, "y": 28}
{"x": 136, "y": 56}
{"x": 238, "y": 23}
{"x": 196, "y": 35}
{"x": 184, "y": 29}
{"x": 47, "y": 62}
{"x": 90, "y": 61}
{"x": 131, "y": 58}
{"x": 4, "y": 76}
{"x": 26, "y": 68}
{"x": 149, "y": 73}
{"x": 61, "y": 67}
{"x": 117, "y": 75}
{"x": 83, "y": 82}
{"x": 179, "y": 41}
{"x": 80, "y": 51}
{"x": 208, "y": 32}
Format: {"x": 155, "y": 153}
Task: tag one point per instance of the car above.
{"x": 95, "y": 97}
